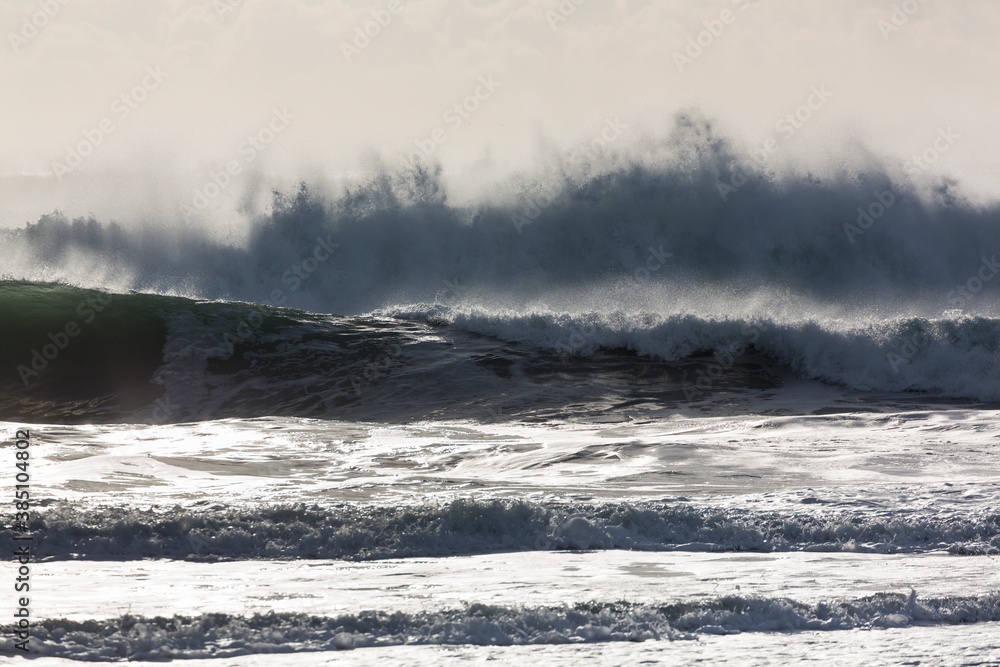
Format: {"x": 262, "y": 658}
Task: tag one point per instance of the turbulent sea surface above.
{"x": 638, "y": 412}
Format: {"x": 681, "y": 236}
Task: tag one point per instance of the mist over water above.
{"x": 269, "y": 88}
{"x": 701, "y": 228}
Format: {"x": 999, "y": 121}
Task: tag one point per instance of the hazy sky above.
{"x": 164, "y": 93}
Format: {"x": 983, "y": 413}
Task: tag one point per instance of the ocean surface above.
{"x": 622, "y": 407}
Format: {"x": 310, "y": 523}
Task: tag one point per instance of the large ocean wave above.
{"x": 700, "y": 258}
{"x": 79, "y": 355}
{"x": 471, "y": 527}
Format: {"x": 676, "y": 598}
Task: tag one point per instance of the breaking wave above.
{"x": 469, "y": 527}
{"x": 225, "y": 635}
{"x": 84, "y": 355}
{"x": 863, "y": 278}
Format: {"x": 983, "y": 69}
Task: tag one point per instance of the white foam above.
{"x": 503, "y": 599}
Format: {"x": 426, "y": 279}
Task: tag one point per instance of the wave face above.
{"x": 78, "y": 355}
